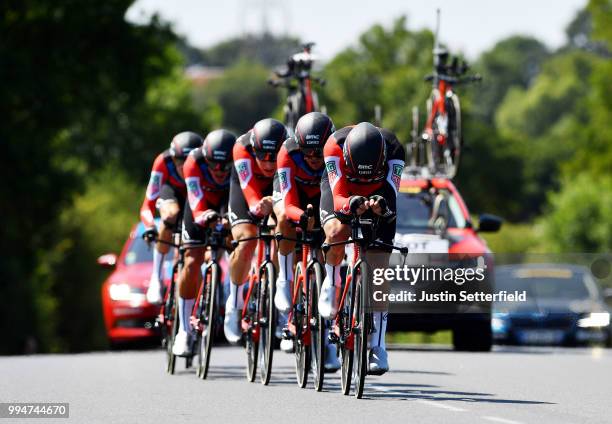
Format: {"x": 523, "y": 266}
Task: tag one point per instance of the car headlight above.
{"x": 498, "y": 323}
{"x": 121, "y": 291}
{"x": 595, "y": 319}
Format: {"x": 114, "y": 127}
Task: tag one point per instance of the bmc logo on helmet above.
{"x": 219, "y": 155}
{"x": 312, "y": 139}
{"x": 365, "y": 169}
{"x": 268, "y": 145}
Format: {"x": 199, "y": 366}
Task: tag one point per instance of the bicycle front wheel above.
{"x": 268, "y": 324}
{"x": 300, "y": 319}
{"x": 209, "y": 318}
{"x": 345, "y": 323}
{"x": 252, "y": 340}
{"x": 173, "y": 324}
{"x": 361, "y": 328}
{"x": 317, "y": 327}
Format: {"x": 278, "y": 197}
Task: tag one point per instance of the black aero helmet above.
{"x": 183, "y": 143}
{"x": 217, "y": 149}
{"x": 365, "y": 152}
{"x": 267, "y": 136}
{"x": 312, "y": 130}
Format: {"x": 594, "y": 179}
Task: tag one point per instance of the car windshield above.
{"x": 140, "y": 252}
{"x": 416, "y": 210}
{"x": 542, "y": 284}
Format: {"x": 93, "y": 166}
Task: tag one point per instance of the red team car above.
{"x": 432, "y": 218}
{"x": 128, "y": 317}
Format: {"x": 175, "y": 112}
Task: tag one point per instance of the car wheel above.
{"x": 473, "y": 336}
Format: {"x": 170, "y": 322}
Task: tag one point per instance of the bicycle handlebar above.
{"x": 286, "y": 81}
{"x": 261, "y": 227}
{"x": 453, "y": 80}
{"x": 358, "y": 222}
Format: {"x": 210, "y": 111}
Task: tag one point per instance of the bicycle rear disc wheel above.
{"x": 362, "y": 326}
{"x": 266, "y": 344}
{"x": 300, "y": 319}
{"x": 317, "y": 328}
{"x": 209, "y": 312}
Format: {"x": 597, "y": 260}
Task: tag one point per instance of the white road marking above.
{"x": 500, "y": 420}
{"x": 441, "y": 405}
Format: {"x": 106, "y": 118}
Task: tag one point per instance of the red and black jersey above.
{"x": 343, "y": 188}
{"x": 203, "y": 193}
{"x": 164, "y": 172}
{"x": 295, "y": 176}
{"x": 252, "y": 180}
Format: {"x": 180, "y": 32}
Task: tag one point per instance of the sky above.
{"x": 470, "y": 26}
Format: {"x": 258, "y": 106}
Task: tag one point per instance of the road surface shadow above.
{"x": 234, "y": 372}
{"x": 394, "y": 391}
{"x": 424, "y": 395}
{"x": 374, "y": 390}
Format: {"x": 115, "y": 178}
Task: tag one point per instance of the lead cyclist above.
{"x": 364, "y": 165}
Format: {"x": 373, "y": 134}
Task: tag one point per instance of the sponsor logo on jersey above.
{"x": 283, "y": 179}
{"x": 155, "y": 183}
{"x": 332, "y": 165}
{"x": 396, "y": 167}
{"x": 243, "y": 168}
{"x": 194, "y": 191}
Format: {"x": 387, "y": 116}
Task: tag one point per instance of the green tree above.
{"x": 75, "y": 95}
{"x": 386, "y": 67}
{"x": 266, "y": 49}
{"x": 543, "y": 122}
{"x": 512, "y": 62}
{"x": 98, "y": 221}
{"x": 578, "y": 219}
{"x": 242, "y": 95}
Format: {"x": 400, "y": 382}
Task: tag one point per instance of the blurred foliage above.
{"x": 578, "y": 219}
{"x": 97, "y": 222}
{"x": 242, "y": 96}
{"x": 543, "y": 122}
{"x": 81, "y": 88}
{"x": 265, "y": 49}
{"x": 515, "y": 238}
{"x": 386, "y": 67}
{"x": 512, "y": 62}
{"x": 578, "y": 215}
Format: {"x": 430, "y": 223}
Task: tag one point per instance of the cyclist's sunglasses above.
{"x": 220, "y": 166}
{"x": 265, "y": 156}
{"x": 313, "y": 153}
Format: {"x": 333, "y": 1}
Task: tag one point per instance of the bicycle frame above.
{"x": 264, "y": 254}
{"x": 438, "y": 108}
{"x": 216, "y": 241}
{"x": 361, "y": 245}
{"x": 301, "y": 98}
{"x": 308, "y": 260}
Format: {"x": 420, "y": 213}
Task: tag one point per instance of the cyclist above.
{"x": 166, "y": 191}
{"x": 297, "y": 186}
{"x": 207, "y": 172}
{"x": 250, "y": 198}
{"x": 364, "y": 165}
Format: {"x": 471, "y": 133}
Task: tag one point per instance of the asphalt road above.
{"x": 508, "y": 386}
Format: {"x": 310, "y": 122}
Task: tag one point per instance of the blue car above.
{"x": 563, "y": 306}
